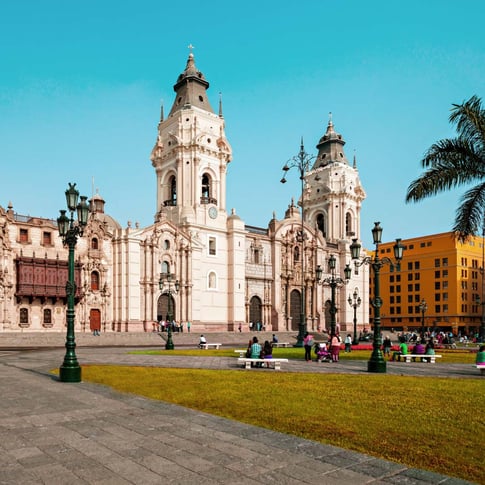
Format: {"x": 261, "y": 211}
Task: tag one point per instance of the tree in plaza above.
{"x": 459, "y": 161}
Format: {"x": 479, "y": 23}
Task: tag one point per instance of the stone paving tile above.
{"x": 376, "y": 468}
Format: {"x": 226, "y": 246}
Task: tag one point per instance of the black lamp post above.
{"x": 377, "y": 362}
{"x": 167, "y": 278}
{"x": 423, "y": 306}
{"x": 354, "y": 301}
{"x": 70, "y": 371}
{"x": 334, "y": 282}
{"x": 302, "y": 163}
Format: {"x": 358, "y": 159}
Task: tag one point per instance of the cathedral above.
{"x": 198, "y": 261}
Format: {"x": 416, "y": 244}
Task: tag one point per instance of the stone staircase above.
{"x": 140, "y": 339}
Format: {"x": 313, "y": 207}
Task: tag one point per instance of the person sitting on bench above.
{"x": 403, "y": 350}
{"x": 255, "y": 350}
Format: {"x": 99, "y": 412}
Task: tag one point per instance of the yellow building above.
{"x": 439, "y": 275}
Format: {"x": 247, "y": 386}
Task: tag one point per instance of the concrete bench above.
{"x": 241, "y": 352}
{"x": 281, "y": 344}
{"x": 208, "y": 346}
{"x": 482, "y": 369}
{"x": 276, "y": 363}
{"x": 413, "y": 357}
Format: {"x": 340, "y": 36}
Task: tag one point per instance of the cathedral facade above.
{"x": 198, "y": 260}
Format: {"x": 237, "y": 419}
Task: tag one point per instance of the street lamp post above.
{"x": 302, "y": 163}
{"x": 481, "y": 334}
{"x": 377, "y": 362}
{"x": 334, "y": 282}
{"x": 69, "y": 230}
{"x": 423, "y": 306}
{"x": 167, "y": 278}
{"x": 355, "y": 301}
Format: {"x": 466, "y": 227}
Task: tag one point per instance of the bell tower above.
{"x": 334, "y": 194}
{"x": 191, "y": 154}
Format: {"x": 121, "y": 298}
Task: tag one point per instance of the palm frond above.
{"x": 469, "y": 215}
{"x": 469, "y": 118}
{"x": 451, "y": 164}
{"x": 455, "y": 150}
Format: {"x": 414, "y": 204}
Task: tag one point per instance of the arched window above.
{"x": 321, "y": 224}
{"x": 212, "y": 280}
{"x": 173, "y": 190}
{"x": 94, "y": 281}
{"x": 348, "y": 224}
{"x": 206, "y": 186}
{"x": 94, "y": 243}
{"x": 165, "y": 267}
{"x": 296, "y": 254}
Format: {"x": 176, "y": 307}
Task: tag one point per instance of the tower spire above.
{"x": 190, "y": 88}
{"x": 220, "y": 106}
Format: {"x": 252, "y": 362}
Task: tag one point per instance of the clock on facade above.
{"x": 212, "y": 212}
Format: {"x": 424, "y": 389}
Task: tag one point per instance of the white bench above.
{"x": 208, "y": 346}
{"x": 242, "y": 352}
{"x": 482, "y": 369}
{"x": 409, "y": 357}
{"x": 247, "y": 362}
{"x": 281, "y": 344}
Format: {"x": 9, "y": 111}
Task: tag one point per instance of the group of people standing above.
{"x": 332, "y": 347}
{"x": 164, "y": 325}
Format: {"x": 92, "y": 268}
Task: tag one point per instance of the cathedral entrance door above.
{"x": 95, "y": 320}
{"x": 255, "y": 311}
{"x": 162, "y": 307}
{"x": 295, "y": 309}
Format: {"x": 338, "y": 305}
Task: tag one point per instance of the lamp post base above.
{"x": 70, "y": 373}
{"x": 377, "y": 364}
{"x": 169, "y": 345}
{"x": 301, "y": 336}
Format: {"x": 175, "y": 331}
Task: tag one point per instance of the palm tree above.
{"x": 455, "y": 162}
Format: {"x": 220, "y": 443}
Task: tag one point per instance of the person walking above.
{"x": 387, "y": 345}
{"x": 348, "y": 343}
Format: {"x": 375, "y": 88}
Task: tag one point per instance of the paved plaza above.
{"x": 59, "y": 433}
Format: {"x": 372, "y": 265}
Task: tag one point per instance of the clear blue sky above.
{"x": 81, "y": 85}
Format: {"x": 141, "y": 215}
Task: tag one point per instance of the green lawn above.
{"x": 449, "y": 356}
{"x": 428, "y": 423}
